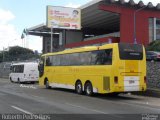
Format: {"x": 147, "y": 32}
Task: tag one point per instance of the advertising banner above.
{"x": 63, "y": 17}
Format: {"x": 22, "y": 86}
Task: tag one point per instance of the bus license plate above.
{"x": 131, "y": 81}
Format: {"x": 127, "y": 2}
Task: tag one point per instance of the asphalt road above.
{"x": 66, "y": 104}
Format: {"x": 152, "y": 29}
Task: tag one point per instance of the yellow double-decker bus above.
{"x": 110, "y": 68}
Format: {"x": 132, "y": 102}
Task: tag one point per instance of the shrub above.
{"x": 154, "y": 46}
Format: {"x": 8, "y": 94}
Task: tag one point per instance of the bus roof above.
{"x": 22, "y": 63}
{"x": 81, "y": 49}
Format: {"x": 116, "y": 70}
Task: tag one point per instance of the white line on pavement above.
{"x": 100, "y": 112}
{"x": 86, "y": 108}
{"x": 24, "y": 111}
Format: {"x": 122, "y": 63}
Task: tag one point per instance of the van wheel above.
{"x": 88, "y": 89}
{"x": 11, "y": 80}
{"x": 47, "y": 84}
{"x": 19, "y": 81}
{"x": 78, "y": 87}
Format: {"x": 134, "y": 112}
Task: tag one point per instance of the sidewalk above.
{"x": 152, "y": 92}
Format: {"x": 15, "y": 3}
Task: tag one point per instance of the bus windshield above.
{"x": 130, "y": 51}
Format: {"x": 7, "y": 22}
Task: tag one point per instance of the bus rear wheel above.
{"x": 88, "y": 89}
{"x": 78, "y": 87}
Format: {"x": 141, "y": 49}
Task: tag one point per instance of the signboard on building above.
{"x": 63, "y": 17}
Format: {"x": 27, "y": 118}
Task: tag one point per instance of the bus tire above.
{"x": 79, "y": 88}
{"x": 47, "y": 84}
{"x": 88, "y": 89}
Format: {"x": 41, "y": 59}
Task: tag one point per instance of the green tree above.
{"x": 17, "y": 53}
{"x": 16, "y": 50}
{"x": 154, "y": 46}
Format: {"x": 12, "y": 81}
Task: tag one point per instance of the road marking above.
{"x": 28, "y": 86}
{"x": 38, "y": 97}
{"x": 86, "y": 108}
{"x": 24, "y": 111}
{"x": 100, "y": 112}
{"x": 139, "y": 105}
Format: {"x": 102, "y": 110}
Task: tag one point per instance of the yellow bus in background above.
{"x": 110, "y": 68}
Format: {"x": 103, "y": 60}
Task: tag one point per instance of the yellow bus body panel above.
{"x": 101, "y": 76}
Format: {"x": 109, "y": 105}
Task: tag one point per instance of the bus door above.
{"x": 13, "y": 72}
{"x": 49, "y": 69}
{"x": 41, "y": 67}
{"x": 131, "y": 56}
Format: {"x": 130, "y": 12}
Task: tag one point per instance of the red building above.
{"x": 109, "y": 21}
{"x": 136, "y": 20}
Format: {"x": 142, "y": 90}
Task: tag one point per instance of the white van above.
{"x": 24, "y": 72}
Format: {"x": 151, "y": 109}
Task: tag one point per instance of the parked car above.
{"x": 152, "y": 55}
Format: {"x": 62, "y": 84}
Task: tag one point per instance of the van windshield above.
{"x": 130, "y": 51}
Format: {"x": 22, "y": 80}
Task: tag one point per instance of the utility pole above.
{"x": 3, "y": 54}
{"x": 51, "y": 39}
{"x": 135, "y": 37}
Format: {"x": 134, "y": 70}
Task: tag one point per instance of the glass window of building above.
{"x": 151, "y": 29}
{"x": 157, "y": 29}
{"x": 154, "y": 29}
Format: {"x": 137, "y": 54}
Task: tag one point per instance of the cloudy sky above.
{"x": 15, "y": 15}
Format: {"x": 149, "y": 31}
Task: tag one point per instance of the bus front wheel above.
{"x": 88, "y": 89}
{"x": 78, "y": 87}
{"x": 47, "y": 84}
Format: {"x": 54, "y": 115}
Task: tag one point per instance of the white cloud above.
{"x": 8, "y": 33}
{"x": 5, "y": 16}
{"x": 72, "y": 5}
{"x": 10, "y": 37}
{"x": 34, "y": 43}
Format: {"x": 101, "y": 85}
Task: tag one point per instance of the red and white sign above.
{"x": 63, "y": 17}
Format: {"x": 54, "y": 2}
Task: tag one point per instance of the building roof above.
{"x": 130, "y": 3}
{"x": 97, "y": 20}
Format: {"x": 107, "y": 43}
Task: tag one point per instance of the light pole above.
{"x": 135, "y": 38}
{"x": 3, "y": 54}
{"x": 51, "y": 39}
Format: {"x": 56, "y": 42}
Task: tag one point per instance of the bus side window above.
{"x": 21, "y": 68}
{"x": 85, "y": 58}
{"x": 11, "y": 68}
{"x": 108, "y": 57}
{"x": 48, "y": 61}
{"x": 64, "y": 60}
{"x": 102, "y": 57}
{"x": 56, "y": 60}
{"x": 15, "y": 68}
{"x": 98, "y": 57}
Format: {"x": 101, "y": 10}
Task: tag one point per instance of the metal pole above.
{"x": 51, "y": 39}
{"x": 3, "y": 54}
{"x": 135, "y": 38}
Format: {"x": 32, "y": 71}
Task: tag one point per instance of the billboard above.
{"x": 63, "y": 17}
